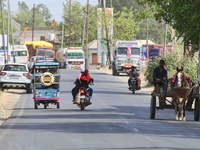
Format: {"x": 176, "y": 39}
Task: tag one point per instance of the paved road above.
{"x": 116, "y": 120}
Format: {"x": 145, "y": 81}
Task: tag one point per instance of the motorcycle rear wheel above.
{"x": 133, "y": 88}
{"x": 82, "y": 106}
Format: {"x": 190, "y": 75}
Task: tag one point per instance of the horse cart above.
{"x": 165, "y": 97}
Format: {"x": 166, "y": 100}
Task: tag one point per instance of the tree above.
{"x": 48, "y": 22}
{"x": 77, "y": 22}
{"x": 182, "y": 15}
{"x": 44, "y": 11}
{"x": 23, "y": 6}
{"x": 125, "y": 26}
{"x": 23, "y": 14}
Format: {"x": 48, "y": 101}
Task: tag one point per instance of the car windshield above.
{"x": 49, "y": 54}
{"x": 41, "y": 53}
{"x": 124, "y": 50}
{"x": 19, "y": 53}
{"x": 75, "y": 56}
{"x": 15, "y": 68}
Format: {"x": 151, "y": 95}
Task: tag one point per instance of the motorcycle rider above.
{"x": 82, "y": 81}
{"x": 133, "y": 71}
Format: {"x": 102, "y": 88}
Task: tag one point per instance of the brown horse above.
{"x": 180, "y": 90}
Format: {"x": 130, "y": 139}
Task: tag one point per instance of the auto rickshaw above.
{"x": 46, "y": 84}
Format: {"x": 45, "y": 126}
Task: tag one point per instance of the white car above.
{"x": 33, "y": 60}
{"x": 13, "y": 76}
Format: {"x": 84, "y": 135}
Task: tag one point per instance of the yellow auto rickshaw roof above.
{"x": 38, "y": 44}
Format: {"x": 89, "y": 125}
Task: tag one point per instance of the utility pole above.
{"x": 147, "y": 34}
{"x": 104, "y": 3}
{"x": 33, "y": 22}
{"x": 8, "y": 45}
{"x": 84, "y": 31}
{"x": 165, "y": 43}
{"x": 62, "y": 36}
{"x": 70, "y": 2}
{"x": 11, "y": 33}
{"x": 87, "y": 26}
{"x": 4, "y": 42}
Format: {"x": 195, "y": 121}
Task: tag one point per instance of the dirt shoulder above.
{"x": 144, "y": 88}
{"x": 8, "y": 100}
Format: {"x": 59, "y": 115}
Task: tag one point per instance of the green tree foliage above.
{"x": 44, "y": 11}
{"x": 48, "y": 23}
{"x": 125, "y": 25}
{"x": 6, "y": 26}
{"x": 77, "y": 22}
{"x": 23, "y": 14}
{"x": 140, "y": 14}
{"x": 182, "y": 15}
{"x": 172, "y": 60}
{"x": 23, "y": 6}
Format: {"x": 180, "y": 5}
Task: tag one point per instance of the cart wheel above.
{"x": 58, "y": 105}
{"x": 133, "y": 88}
{"x": 45, "y": 106}
{"x": 153, "y": 107}
{"x": 36, "y": 106}
{"x": 196, "y": 110}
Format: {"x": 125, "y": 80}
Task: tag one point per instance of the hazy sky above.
{"x": 55, "y": 6}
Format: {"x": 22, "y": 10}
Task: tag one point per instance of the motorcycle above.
{"x": 82, "y": 98}
{"x": 133, "y": 84}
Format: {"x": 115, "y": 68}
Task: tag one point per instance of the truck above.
{"x": 75, "y": 58}
{"x": 61, "y": 58}
{"x": 125, "y": 55}
{"x": 41, "y": 48}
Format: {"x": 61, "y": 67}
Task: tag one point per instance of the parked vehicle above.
{"x": 46, "y": 84}
{"x": 75, "y": 58}
{"x": 21, "y": 54}
{"x": 125, "y": 55}
{"x": 61, "y": 58}
{"x": 33, "y": 60}
{"x": 13, "y": 76}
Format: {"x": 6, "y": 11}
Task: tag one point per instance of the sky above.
{"x": 55, "y": 6}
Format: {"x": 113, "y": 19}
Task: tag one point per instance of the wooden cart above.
{"x": 166, "y": 97}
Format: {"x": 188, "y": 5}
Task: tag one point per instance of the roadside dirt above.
{"x": 8, "y": 100}
{"x": 144, "y": 88}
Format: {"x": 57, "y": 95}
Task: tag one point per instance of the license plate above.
{"x": 14, "y": 77}
{"x": 75, "y": 67}
{"x": 47, "y": 79}
{"x": 82, "y": 97}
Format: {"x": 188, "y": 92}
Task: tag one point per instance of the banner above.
{"x": 144, "y": 56}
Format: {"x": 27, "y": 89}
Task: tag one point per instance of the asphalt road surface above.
{"x": 117, "y": 119}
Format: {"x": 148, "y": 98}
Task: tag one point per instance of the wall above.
{"x": 37, "y": 35}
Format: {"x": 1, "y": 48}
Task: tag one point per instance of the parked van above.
{"x": 21, "y": 54}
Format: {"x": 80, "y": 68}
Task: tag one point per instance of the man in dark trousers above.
{"x": 159, "y": 74}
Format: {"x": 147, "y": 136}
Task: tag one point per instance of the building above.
{"x": 92, "y": 51}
